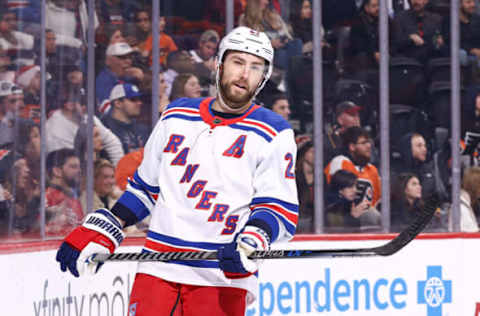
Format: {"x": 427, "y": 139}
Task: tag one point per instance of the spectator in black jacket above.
{"x": 469, "y": 33}
{"x": 341, "y": 210}
{"x": 414, "y": 159}
{"x": 417, "y": 33}
{"x": 121, "y": 120}
{"x": 364, "y": 36}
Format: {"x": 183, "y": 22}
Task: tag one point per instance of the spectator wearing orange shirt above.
{"x": 166, "y": 44}
{"x": 356, "y": 159}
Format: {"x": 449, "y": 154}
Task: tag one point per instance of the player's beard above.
{"x": 235, "y": 100}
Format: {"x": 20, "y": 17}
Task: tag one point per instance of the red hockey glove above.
{"x": 100, "y": 233}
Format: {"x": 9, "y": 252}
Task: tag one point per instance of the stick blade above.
{"x": 421, "y": 221}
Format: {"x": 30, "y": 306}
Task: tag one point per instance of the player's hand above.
{"x": 233, "y": 258}
{"x": 100, "y": 233}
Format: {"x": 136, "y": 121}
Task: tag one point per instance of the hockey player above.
{"x": 217, "y": 174}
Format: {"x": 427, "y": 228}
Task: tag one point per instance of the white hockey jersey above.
{"x": 203, "y": 177}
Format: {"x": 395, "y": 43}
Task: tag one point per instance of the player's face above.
{"x": 104, "y": 181}
{"x": 241, "y": 75}
{"x": 419, "y": 148}
{"x": 192, "y": 88}
{"x": 282, "y": 107}
{"x": 413, "y": 189}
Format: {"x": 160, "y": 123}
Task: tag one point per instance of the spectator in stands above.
{"x": 116, "y": 11}
{"x": 119, "y": 69}
{"x": 163, "y": 100}
{"x": 63, "y": 209}
{"x": 6, "y": 198}
{"x": 304, "y": 172}
{"x": 301, "y": 21}
{"x": 341, "y": 212}
{"x": 11, "y": 105}
{"x": 104, "y": 186}
{"x": 143, "y": 27}
{"x": 280, "y": 105}
{"x": 347, "y": 114}
{"x": 185, "y": 86}
{"x": 394, "y": 7}
{"x": 178, "y": 62}
{"x": 27, "y": 199}
{"x": 28, "y": 146}
{"x": 28, "y": 12}
{"x": 7, "y": 72}
{"x": 204, "y": 57}
{"x": 356, "y": 156}
{"x": 414, "y": 159}
{"x": 166, "y": 44}
{"x": 126, "y": 106}
{"x": 259, "y": 15}
{"x": 405, "y": 201}
{"x": 469, "y": 34}
{"x": 416, "y": 33}
{"x": 80, "y": 145}
{"x": 59, "y": 57}
{"x": 470, "y": 200}
{"x": 69, "y": 21}
{"x": 28, "y": 79}
{"x": 63, "y": 124}
{"x": 364, "y": 37}
{"x": 206, "y": 49}
{"x": 19, "y": 45}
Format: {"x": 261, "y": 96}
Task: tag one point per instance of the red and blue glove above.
{"x": 233, "y": 258}
{"x": 100, "y": 232}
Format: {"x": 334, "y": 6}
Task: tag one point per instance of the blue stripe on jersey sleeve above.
{"x": 289, "y": 206}
{"x": 265, "y": 215}
{"x": 183, "y": 243}
{"x": 142, "y": 189}
{"x": 153, "y": 189}
{"x": 134, "y": 204}
{"x": 252, "y": 129}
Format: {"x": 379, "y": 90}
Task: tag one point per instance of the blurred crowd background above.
{"x": 75, "y": 113}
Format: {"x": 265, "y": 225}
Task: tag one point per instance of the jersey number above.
{"x": 289, "y": 172}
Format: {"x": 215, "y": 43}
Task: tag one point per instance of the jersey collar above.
{"x": 213, "y": 120}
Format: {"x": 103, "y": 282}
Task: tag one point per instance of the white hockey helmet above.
{"x": 245, "y": 39}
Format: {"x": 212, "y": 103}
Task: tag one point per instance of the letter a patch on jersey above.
{"x": 236, "y": 150}
{"x": 132, "y": 310}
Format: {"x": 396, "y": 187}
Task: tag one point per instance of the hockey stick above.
{"x": 391, "y": 247}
